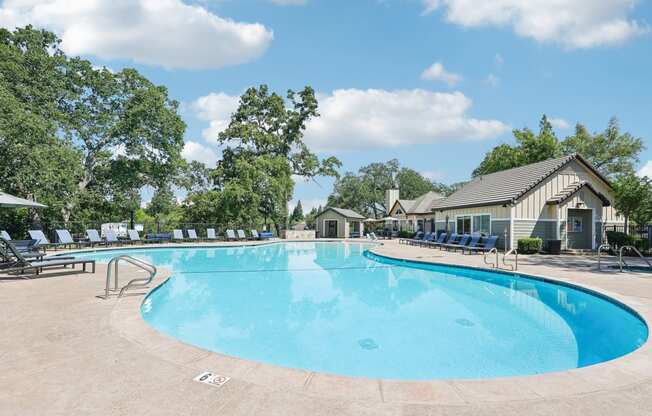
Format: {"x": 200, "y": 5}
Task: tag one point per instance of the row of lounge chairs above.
{"x": 471, "y": 243}
{"x": 65, "y": 239}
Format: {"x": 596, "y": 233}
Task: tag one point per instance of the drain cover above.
{"x": 464, "y": 322}
{"x": 367, "y": 344}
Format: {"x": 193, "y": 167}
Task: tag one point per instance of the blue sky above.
{"x": 501, "y": 65}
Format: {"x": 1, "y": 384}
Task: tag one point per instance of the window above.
{"x": 574, "y": 225}
{"x": 463, "y": 224}
{"x": 482, "y": 224}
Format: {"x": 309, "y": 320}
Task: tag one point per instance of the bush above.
{"x": 642, "y": 244}
{"x": 529, "y": 245}
{"x": 406, "y": 234}
{"x": 618, "y": 239}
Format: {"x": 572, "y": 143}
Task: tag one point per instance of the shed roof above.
{"x": 507, "y": 186}
{"x": 574, "y": 187}
{"x": 420, "y": 205}
{"x": 348, "y": 213}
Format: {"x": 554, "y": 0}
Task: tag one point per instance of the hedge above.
{"x": 529, "y": 245}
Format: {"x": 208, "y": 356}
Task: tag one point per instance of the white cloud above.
{"x": 365, "y": 119}
{"x": 559, "y": 123}
{"x": 290, "y": 2}
{"x": 572, "y": 23}
{"x": 492, "y": 80}
{"x": 197, "y": 151}
{"x": 216, "y": 108}
{"x": 432, "y": 174}
{"x": 166, "y": 33}
{"x": 437, "y": 72}
{"x": 646, "y": 170}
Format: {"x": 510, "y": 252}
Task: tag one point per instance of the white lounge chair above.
{"x": 254, "y": 235}
{"x": 41, "y": 239}
{"x": 5, "y": 235}
{"x": 112, "y": 238}
{"x": 134, "y": 237}
{"x": 230, "y": 235}
{"x": 65, "y": 239}
{"x": 242, "y": 235}
{"x": 210, "y": 234}
{"x": 192, "y": 235}
{"x": 177, "y": 235}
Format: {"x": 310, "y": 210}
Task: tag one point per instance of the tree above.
{"x": 297, "y": 213}
{"x": 412, "y": 184}
{"x": 311, "y": 217}
{"x": 163, "y": 203}
{"x": 264, "y": 148}
{"x": 630, "y": 194}
{"x": 610, "y": 152}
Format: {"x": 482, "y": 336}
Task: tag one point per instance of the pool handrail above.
{"x": 138, "y": 282}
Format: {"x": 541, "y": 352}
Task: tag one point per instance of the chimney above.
{"x": 391, "y": 195}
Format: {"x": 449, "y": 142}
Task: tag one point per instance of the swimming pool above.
{"x": 335, "y": 308}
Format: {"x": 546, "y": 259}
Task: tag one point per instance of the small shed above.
{"x": 339, "y": 223}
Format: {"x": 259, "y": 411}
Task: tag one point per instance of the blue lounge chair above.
{"x": 461, "y": 243}
{"x": 265, "y": 235}
{"x": 417, "y": 236}
{"x": 474, "y": 242}
{"x": 485, "y": 245}
{"x": 438, "y": 241}
{"x": 230, "y": 235}
{"x": 428, "y": 238}
{"x": 158, "y": 238}
{"x": 65, "y": 239}
{"x": 451, "y": 239}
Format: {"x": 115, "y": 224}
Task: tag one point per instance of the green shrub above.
{"x": 642, "y": 244}
{"x": 617, "y": 239}
{"x": 529, "y": 245}
{"x": 406, "y": 234}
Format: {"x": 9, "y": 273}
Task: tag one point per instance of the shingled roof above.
{"x": 507, "y": 186}
{"x": 421, "y": 205}
{"x": 348, "y": 213}
{"x": 574, "y": 187}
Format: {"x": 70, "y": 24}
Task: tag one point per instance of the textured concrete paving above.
{"x": 64, "y": 351}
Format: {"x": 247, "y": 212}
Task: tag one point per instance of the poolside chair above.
{"x": 473, "y": 242}
{"x": 94, "y": 238}
{"x": 428, "y": 238}
{"x": 134, "y": 237}
{"x": 242, "y": 235}
{"x": 230, "y": 235}
{"x": 112, "y": 238}
{"x": 28, "y": 248}
{"x": 254, "y": 235}
{"x": 210, "y": 234}
{"x": 192, "y": 235}
{"x": 449, "y": 239}
{"x": 177, "y": 235}
{"x": 373, "y": 236}
{"x": 22, "y": 263}
{"x": 65, "y": 239}
{"x": 484, "y": 246}
{"x": 461, "y": 243}
{"x": 265, "y": 235}
{"x": 5, "y": 235}
{"x": 158, "y": 238}
{"x": 417, "y": 236}
{"x": 41, "y": 239}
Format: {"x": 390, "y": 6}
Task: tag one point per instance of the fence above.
{"x": 642, "y": 232}
{"x": 78, "y": 228}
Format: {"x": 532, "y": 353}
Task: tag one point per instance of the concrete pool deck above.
{"x": 63, "y": 350}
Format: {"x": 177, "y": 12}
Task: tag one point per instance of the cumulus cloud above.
{"x": 437, "y": 72}
{"x": 646, "y": 170}
{"x": 363, "y": 119}
{"x": 166, "y": 33}
{"x": 216, "y": 108}
{"x": 199, "y": 152}
{"x": 432, "y": 174}
{"x": 572, "y": 23}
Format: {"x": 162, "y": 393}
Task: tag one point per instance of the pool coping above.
{"x": 620, "y": 373}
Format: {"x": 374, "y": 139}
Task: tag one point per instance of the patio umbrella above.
{"x": 10, "y": 201}
{"x": 388, "y": 219}
{"x": 370, "y": 220}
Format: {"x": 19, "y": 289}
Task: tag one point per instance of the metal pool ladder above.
{"x": 492, "y": 251}
{"x": 513, "y": 266}
{"x": 620, "y": 256}
{"x": 141, "y": 282}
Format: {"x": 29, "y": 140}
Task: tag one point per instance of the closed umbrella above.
{"x": 10, "y": 201}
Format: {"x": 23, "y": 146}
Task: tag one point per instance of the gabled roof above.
{"x": 574, "y": 187}
{"x": 348, "y": 213}
{"x": 507, "y": 186}
{"x": 421, "y": 205}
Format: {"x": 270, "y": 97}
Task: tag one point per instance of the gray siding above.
{"x": 498, "y": 228}
{"x": 544, "y": 230}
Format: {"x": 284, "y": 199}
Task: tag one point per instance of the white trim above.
{"x": 558, "y": 231}
{"x": 500, "y": 219}
{"x": 512, "y": 214}
{"x": 474, "y": 215}
{"x": 536, "y": 219}
{"x": 593, "y": 227}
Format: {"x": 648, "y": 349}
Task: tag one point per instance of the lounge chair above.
{"x": 428, "y": 238}
{"x": 473, "y": 242}
{"x": 134, "y": 237}
{"x": 373, "y": 236}
{"x": 65, "y": 239}
{"x": 230, "y": 235}
{"x": 22, "y": 263}
{"x": 41, "y": 239}
{"x": 28, "y": 248}
{"x": 158, "y": 238}
{"x": 265, "y": 235}
{"x": 177, "y": 235}
{"x": 5, "y": 235}
{"x": 242, "y": 235}
{"x": 192, "y": 235}
{"x": 254, "y": 235}
{"x": 112, "y": 238}
{"x": 210, "y": 234}
{"x": 438, "y": 241}
{"x": 450, "y": 239}
{"x": 461, "y": 243}
{"x": 484, "y": 246}
{"x": 417, "y": 236}
{"x": 94, "y": 238}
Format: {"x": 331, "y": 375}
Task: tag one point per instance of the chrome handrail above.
{"x": 495, "y": 251}
{"x": 620, "y": 256}
{"x": 602, "y": 246}
{"x": 513, "y": 267}
{"x": 112, "y": 271}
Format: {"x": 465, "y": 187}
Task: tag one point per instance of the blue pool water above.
{"x": 333, "y": 308}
